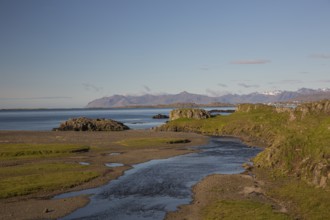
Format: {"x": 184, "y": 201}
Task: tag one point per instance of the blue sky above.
{"x": 65, "y": 53}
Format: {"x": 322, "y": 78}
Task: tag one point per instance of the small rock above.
{"x": 160, "y": 116}
{"x": 247, "y": 166}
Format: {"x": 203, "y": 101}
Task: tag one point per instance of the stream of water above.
{"x": 149, "y": 190}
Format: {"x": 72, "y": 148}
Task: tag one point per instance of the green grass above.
{"x": 295, "y": 145}
{"x": 308, "y": 202}
{"x": 25, "y": 179}
{"x": 231, "y": 209}
{"x": 34, "y": 151}
{"x": 30, "y": 178}
{"x": 150, "y": 142}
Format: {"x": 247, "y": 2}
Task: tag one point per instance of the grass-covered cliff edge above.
{"x": 296, "y": 141}
{"x": 290, "y": 179}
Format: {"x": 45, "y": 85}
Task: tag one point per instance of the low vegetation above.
{"x": 303, "y": 200}
{"x": 245, "y": 209}
{"x": 34, "y": 151}
{"x": 23, "y": 177}
{"x": 296, "y": 141}
{"x": 30, "y": 178}
{"x": 296, "y": 156}
{"x": 31, "y": 165}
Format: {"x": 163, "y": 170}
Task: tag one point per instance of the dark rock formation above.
{"x": 160, "y": 116}
{"x": 87, "y": 124}
{"x": 189, "y": 113}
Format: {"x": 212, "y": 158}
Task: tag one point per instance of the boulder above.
{"x": 88, "y": 124}
{"x": 189, "y": 113}
{"x": 160, "y": 116}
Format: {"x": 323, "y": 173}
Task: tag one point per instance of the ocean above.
{"x": 47, "y": 119}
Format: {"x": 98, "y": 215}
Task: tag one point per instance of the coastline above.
{"x": 256, "y": 189}
{"x": 40, "y": 205}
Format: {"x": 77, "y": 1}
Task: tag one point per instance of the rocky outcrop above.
{"x": 321, "y": 107}
{"x": 312, "y": 108}
{"x": 296, "y": 139}
{"x": 88, "y": 124}
{"x": 160, "y": 116}
{"x": 254, "y": 107}
{"x": 189, "y": 113}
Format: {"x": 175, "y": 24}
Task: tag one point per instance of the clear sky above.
{"x": 65, "y": 53}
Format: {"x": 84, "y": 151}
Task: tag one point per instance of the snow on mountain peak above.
{"x": 325, "y": 90}
{"x": 272, "y": 93}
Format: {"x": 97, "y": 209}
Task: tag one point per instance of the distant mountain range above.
{"x": 301, "y": 95}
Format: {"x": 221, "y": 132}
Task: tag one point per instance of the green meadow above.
{"x": 31, "y": 173}
{"x": 35, "y": 151}
{"x": 45, "y": 177}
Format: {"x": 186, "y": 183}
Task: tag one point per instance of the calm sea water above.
{"x": 45, "y": 120}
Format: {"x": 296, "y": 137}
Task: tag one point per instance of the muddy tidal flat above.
{"x": 83, "y": 153}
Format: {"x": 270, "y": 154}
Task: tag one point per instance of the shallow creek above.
{"x": 149, "y": 190}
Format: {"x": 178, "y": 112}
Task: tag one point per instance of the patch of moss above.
{"x": 31, "y": 178}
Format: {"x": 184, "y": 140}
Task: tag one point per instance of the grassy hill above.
{"x": 296, "y": 141}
